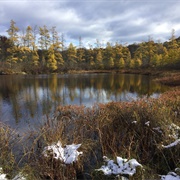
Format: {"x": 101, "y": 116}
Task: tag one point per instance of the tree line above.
{"x": 42, "y": 50}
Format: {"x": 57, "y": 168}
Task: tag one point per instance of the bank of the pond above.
{"x": 169, "y": 78}
{"x": 147, "y": 130}
{"x": 166, "y": 77}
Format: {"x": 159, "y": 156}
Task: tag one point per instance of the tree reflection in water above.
{"x": 26, "y": 99}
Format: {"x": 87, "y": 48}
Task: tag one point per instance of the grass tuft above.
{"x": 137, "y": 129}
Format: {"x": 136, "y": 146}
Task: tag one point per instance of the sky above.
{"x": 122, "y": 21}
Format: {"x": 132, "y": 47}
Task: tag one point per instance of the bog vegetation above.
{"x": 144, "y": 129}
{"x": 147, "y": 129}
{"x": 42, "y": 50}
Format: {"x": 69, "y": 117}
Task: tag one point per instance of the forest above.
{"x": 37, "y": 50}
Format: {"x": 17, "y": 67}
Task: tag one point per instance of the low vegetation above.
{"x": 169, "y": 78}
{"x": 140, "y": 130}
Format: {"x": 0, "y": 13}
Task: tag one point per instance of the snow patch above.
{"x": 17, "y": 177}
{"x": 121, "y": 166}
{"x": 134, "y": 122}
{"x": 2, "y": 176}
{"x": 147, "y": 123}
{"x": 68, "y": 154}
{"x": 175, "y": 143}
{"x": 158, "y": 129}
{"x": 170, "y": 176}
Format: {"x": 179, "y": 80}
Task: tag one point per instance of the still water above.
{"x": 26, "y": 100}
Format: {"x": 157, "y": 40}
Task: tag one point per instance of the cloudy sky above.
{"x": 123, "y": 21}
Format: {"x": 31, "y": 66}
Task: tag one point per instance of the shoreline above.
{"x": 166, "y": 77}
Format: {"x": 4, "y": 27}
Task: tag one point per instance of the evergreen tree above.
{"x": 5, "y": 44}
{"x": 28, "y": 43}
{"x": 34, "y": 33}
{"x": 146, "y": 52}
{"x": 13, "y": 51}
{"x": 165, "y": 57}
{"x": 156, "y": 60}
{"x": 90, "y": 57}
{"x": 59, "y": 59}
{"x": 80, "y": 52}
{"x": 108, "y": 55}
{"x": 35, "y": 58}
{"x": 51, "y": 62}
{"x": 135, "y": 63}
{"x": 55, "y": 40}
{"x": 62, "y": 45}
{"x": 117, "y": 51}
{"x": 132, "y": 64}
{"x": 151, "y": 50}
{"x": 126, "y": 56}
{"x": 91, "y": 61}
{"x": 56, "y": 44}
{"x": 22, "y": 39}
{"x": 159, "y": 48}
{"x": 80, "y": 55}
{"x": 110, "y": 63}
{"x": 173, "y": 49}
{"x": 12, "y": 32}
{"x": 173, "y": 43}
{"x": 12, "y": 55}
{"x": 44, "y": 39}
{"x": 120, "y": 63}
{"x": 98, "y": 44}
{"x": 29, "y": 37}
{"x": 99, "y": 60}
{"x": 71, "y": 55}
{"x": 23, "y": 54}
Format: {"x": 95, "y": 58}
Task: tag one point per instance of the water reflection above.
{"x": 25, "y": 99}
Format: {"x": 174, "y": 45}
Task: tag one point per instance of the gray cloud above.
{"x": 117, "y": 20}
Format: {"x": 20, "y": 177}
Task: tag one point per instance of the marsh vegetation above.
{"x": 139, "y": 129}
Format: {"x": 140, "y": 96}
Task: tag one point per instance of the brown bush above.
{"x": 135, "y": 129}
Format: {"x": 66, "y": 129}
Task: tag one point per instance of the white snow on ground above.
{"x": 17, "y": 177}
{"x": 170, "y": 176}
{"x": 147, "y": 123}
{"x": 121, "y": 166}
{"x": 68, "y": 154}
{"x": 158, "y": 129}
{"x": 2, "y": 176}
{"x": 175, "y": 143}
{"x": 134, "y": 122}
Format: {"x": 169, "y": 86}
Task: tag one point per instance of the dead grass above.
{"x": 128, "y": 129}
{"x": 169, "y": 78}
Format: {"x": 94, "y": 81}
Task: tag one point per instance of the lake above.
{"x": 27, "y": 100}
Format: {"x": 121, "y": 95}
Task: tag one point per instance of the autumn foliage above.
{"x": 42, "y": 50}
